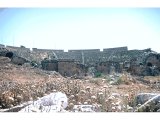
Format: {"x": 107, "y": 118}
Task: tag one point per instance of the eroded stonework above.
{"x": 78, "y": 62}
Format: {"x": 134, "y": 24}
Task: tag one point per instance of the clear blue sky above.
{"x": 81, "y": 28}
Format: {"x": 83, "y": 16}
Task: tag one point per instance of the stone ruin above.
{"x": 87, "y": 62}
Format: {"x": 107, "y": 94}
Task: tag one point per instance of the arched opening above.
{"x": 9, "y": 54}
{"x": 20, "y": 64}
{"x": 149, "y": 64}
{"x": 140, "y": 64}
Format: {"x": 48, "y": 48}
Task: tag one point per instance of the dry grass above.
{"x": 95, "y": 91}
{"x": 21, "y": 84}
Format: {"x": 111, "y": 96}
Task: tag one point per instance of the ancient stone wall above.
{"x": 136, "y": 70}
{"x": 20, "y": 51}
{"x": 18, "y": 60}
{"x": 71, "y": 68}
{"x": 21, "y": 48}
{"x": 86, "y": 56}
{"x": 152, "y": 64}
{"x": 153, "y": 60}
{"x": 51, "y": 65}
{"x": 91, "y": 57}
{"x": 3, "y": 51}
{"x": 2, "y": 46}
{"x": 69, "y": 55}
{"x": 138, "y": 60}
{"x": 66, "y": 67}
{"x": 45, "y": 50}
{"x": 75, "y": 54}
{"x": 108, "y": 67}
{"x": 12, "y": 48}
{"x": 117, "y": 49}
{"x": 85, "y": 50}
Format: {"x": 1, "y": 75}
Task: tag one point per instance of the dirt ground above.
{"x": 23, "y": 83}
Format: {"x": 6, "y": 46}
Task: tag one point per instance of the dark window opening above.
{"x": 20, "y": 64}
{"x": 9, "y": 54}
{"x": 140, "y": 63}
{"x": 149, "y": 64}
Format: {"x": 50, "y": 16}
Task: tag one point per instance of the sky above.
{"x": 81, "y": 28}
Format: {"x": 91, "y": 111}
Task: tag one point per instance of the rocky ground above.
{"x": 107, "y": 93}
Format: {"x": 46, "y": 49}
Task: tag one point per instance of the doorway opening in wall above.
{"x": 9, "y": 54}
{"x": 149, "y": 64}
{"x": 20, "y": 64}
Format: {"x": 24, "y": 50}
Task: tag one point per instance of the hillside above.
{"x": 23, "y": 83}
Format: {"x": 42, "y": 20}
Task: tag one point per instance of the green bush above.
{"x": 34, "y": 64}
{"x": 98, "y": 74}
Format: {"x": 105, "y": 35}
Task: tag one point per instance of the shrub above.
{"x": 98, "y": 74}
{"x": 34, "y": 64}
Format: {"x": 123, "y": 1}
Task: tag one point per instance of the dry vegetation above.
{"x": 20, "y": 84}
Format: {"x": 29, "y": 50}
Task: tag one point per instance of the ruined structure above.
{"x": 67, "y": 67}
{"x": 13, "y": 55}
{"x": 78, "y": 62}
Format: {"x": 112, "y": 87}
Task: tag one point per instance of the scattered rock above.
{"x": 152, "y": 105}
{"x": 143, "y": 97}
{"x": 54, "y": 102}
{"x": 84, "y": 108}
{"x": 116, "y": 95}
{"x": 4, "y": 59}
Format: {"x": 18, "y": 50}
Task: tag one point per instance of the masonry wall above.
{"x": 102, "y": 60}
{"x": 77, "y": 55}
{"x": 135, "y": 70}
{"x": 92, "y": 57}
{"x": 70, "y": 68}
{"x": 18, "y": 60}
{"x": 14, "y": 48}
{"x": 117, "y": 49}
{"x": 153, "y": 60}
{"x": 46, "y": 50}
{"x": 3, "y": 51}
{"x": 85, "y": 56}
{"x": 51, "y": 65}
{"x": 2, "y": 46}
{"x": 20, "y": 51}
{"x": 108, "y": 67}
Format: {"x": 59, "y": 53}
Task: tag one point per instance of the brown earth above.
{"x": 30, "y": 83}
